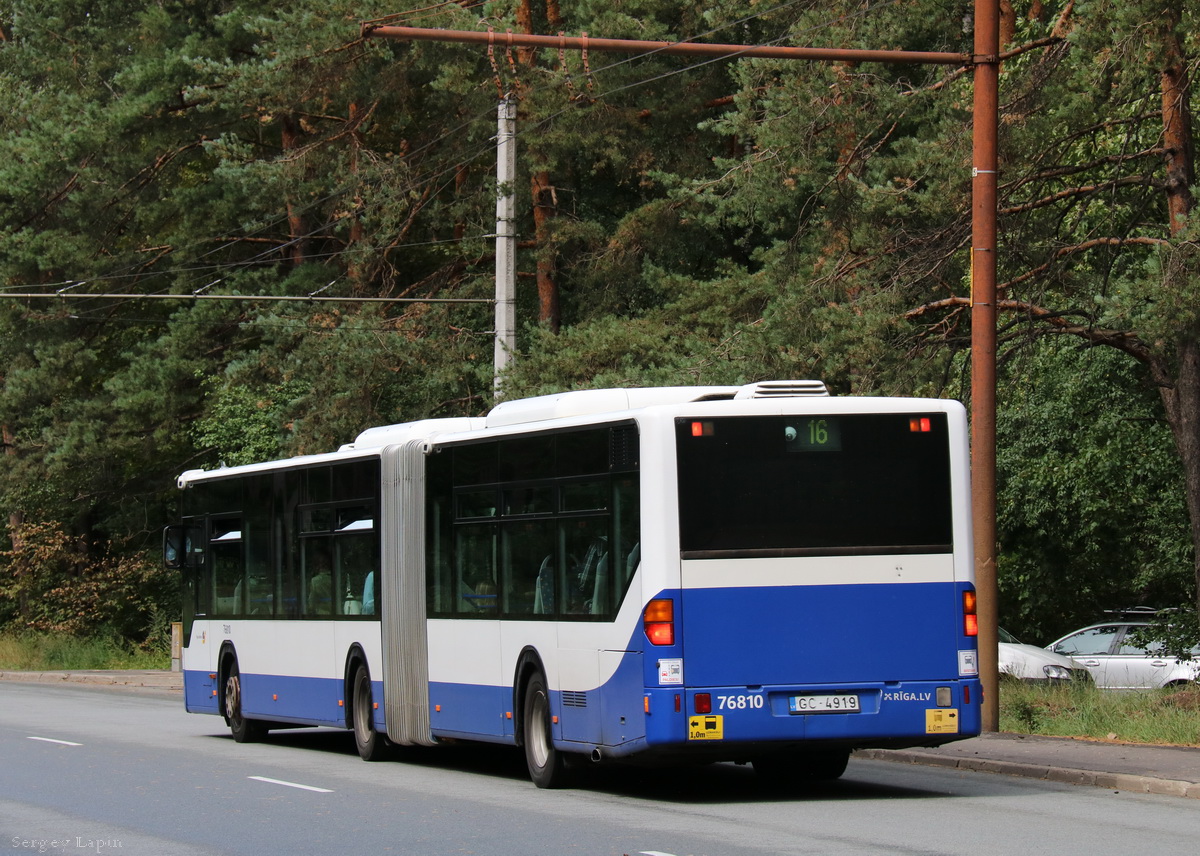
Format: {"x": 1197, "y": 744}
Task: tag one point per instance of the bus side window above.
{"x": 355, "y": 561}
{"x": 475, "y": 557}
{"x": 228, "y": 565}
{"x": 526, "y": 545}
{"x": 258, "y": 598}
{"x": 585, "y": 563}
{"x": 318, "y": 577}
{"x": 626, "y": 531}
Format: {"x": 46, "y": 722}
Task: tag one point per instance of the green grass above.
{"x": 1150, "y": 716}
{"x": 51, "y": 653}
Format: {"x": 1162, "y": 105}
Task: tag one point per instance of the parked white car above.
{"x": 1031, "y": 663}
{"x": 1117, "y": 662}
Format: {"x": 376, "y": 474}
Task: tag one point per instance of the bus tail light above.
{"x": 658, "y": 619}
{"x": 703, "y": 703}
{"x": 970, "y": 616}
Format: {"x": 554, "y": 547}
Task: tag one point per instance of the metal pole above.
{"x": 525, "y": 40}
{"x": 983, "y": 349}
{"x": 506, "y": 238}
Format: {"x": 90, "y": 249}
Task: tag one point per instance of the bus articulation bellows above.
{"x": 761, "y": 574}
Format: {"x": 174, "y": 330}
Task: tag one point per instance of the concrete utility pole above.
{"x": 986, "y": 61}
{"x": 506, "y": 237}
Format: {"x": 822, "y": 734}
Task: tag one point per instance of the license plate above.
{"x": 824, "y": 704}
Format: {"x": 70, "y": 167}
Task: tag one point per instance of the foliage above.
{"x": 241, "y": 427}
{"x": 1090, "y": 500}
{"x": 53, "y": 587}
{"x": 1174, "y": 631}
{"x": 701, "y": 222}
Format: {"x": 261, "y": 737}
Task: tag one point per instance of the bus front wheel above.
{"x": 547, "y": 765}
{"x": 244, "y": 730}
{"x": 372, "y": 746}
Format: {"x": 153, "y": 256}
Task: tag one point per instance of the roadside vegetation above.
{"x": 1170, "y": 716}
{"x": 39, "y": 652}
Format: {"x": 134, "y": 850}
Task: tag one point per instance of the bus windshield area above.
{"x": 844, "y": 484}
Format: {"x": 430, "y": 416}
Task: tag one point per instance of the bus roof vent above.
{"x": 783, "y": 389}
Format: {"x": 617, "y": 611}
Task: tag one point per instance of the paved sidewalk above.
{"x": 1136, "y": 767}
{"x": 1170, "y": 770}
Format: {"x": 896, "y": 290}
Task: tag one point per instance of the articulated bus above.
{"x": 762, "y": 574}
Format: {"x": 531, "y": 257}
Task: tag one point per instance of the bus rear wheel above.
{"x": 372, "y": 746}
{"x": 244, "y": 730}
{"x": 547, "y": 766}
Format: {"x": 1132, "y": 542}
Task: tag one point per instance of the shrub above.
{"x": 51, "y": 585}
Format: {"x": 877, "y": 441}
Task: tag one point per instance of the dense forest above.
{"x": 682, "y": 220}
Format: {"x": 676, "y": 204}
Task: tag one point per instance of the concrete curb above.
{"x": 1046, "y": 772}
{"x": 170, "y": 681}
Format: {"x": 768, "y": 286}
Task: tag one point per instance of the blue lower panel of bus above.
{"x": 469, "y": 711}
{"x": 200, "y": 692}
{"x": 276, "y": 698}
{"x": 829, "y": 634}
{"x": 289, "y": 699}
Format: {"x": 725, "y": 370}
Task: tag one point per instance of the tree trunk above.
{"x": 290, "y": 138}
{"x": 353, "y": 270}
{"x": 545, "y": 208}
{"x": 541, "y": 185}
{"x": 16, "y": 518}
{"x": 1183, "y": 401}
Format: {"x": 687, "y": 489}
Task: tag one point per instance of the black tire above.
{"x": 244, "y": 730}
{"x": 793, "y": 769}
{"x": 372, "y": 746}
{"x": 548, "y": 766}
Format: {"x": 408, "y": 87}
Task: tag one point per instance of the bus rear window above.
{"x": 844, "y": 484}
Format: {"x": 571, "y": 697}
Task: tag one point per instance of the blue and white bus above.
{"x": 761, "y": 574}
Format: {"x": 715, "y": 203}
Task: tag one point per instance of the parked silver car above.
{"x": 1117, "y": 661}
{"x": 1031, "y": 663}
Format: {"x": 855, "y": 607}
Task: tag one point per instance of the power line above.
{"x": 313, "y": 298}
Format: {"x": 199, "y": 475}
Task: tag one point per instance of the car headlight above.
{"x": 1057, "y": 673}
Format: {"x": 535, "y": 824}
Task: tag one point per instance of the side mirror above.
{"x": 181, "y": 546}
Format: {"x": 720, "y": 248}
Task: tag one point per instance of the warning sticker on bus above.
{"x": 941, "y": 721}
{"x": 706, "y": 728}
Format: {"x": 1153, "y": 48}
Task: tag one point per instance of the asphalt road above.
{"x": 86, "y": 770}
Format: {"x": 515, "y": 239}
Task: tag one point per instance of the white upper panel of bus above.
{"x": 572, "y": 406}
{"x": 389, "y": 435}
{"x": 584, "y": 402}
